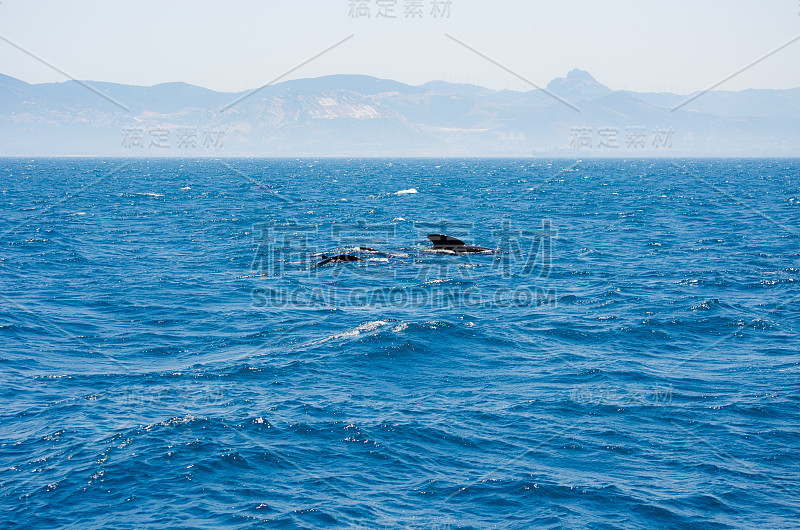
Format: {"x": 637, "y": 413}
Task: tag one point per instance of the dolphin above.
{"x": 440, "y": 242}
{"x": 452, "y": 244}
{"x": 341, "y": 258}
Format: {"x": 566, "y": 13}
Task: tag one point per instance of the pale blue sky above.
{"x": 678, "y": 46}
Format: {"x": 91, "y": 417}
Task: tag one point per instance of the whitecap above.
{"x": 366, "y": 327}
{"x": 437, "y": 281}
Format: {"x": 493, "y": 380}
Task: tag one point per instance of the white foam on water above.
{"x": 366, "y": 327}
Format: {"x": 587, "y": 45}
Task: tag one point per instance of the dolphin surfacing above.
{"x": 442, "y": 242}
{"x": 341, "y": 258}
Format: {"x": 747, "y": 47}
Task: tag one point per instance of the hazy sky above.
{"x": 679, "y": 46}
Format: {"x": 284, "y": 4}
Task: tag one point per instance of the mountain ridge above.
{"x": 361, "y": 115}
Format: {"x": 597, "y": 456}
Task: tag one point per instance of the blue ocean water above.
{"x": 171, "y": 357}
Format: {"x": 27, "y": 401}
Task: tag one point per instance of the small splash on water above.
{"x": 707, "y": 305}
{"x": 366, "y": 327}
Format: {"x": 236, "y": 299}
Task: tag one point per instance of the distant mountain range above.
{"x": 354, "y": 115}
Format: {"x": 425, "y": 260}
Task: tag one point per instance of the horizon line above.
{"x": 368, "y": 76}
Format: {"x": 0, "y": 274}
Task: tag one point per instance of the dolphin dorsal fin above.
{"x": 440, "y": 241}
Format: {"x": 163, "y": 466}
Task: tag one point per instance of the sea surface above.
{"x": 171, "y": 355}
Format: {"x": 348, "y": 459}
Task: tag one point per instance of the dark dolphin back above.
{"x": 440, "y": 241}
{"x": 341, "y": 258}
